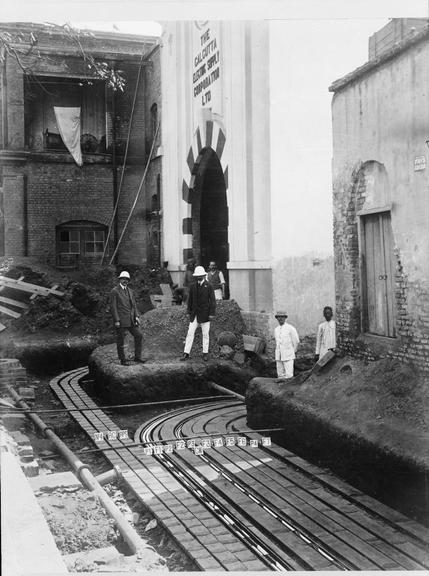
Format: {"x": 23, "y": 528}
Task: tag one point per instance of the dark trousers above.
{"x": 120, "y": 339}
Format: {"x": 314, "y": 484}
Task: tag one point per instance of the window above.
{"x": 43, "y": 93}
{"x": 82, "y": 238}
{"x": 69, "y": 242}
{"x": 94, "y": 242}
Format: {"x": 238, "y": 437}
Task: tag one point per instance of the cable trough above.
{"x": 243, "y": 507}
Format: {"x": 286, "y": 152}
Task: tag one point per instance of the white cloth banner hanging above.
{"x": 68, "y": 120}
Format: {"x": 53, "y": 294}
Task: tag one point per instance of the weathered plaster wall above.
{"x": 380, "y": 125}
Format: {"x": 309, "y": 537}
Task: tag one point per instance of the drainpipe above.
{"x": 4, "y": 100}
{"x": 84, "y": 474}
{"x": 114, "y": 173}
{"x": 25, "y": 210}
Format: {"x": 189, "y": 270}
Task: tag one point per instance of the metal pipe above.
{"x": 110, "y": 476}
{"x": 84, "y": 474}
{"x": 225, "y": 390}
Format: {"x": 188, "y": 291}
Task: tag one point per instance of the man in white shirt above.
{"x": 287, "y": 341}
{"x": 326, "y": 338}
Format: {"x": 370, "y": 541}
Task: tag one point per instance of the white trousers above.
{"x": 205, "y": 328}
{"x": 284, "y": 368}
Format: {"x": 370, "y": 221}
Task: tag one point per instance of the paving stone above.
{"x": 199, "y": 530}
{"x": 30, "y": 468}
{"x": 235, "y": 546}
{"x": 245, "y": 555}
{"x": 255, "y": 565}
{"x": 225, "y": 557}
{"x": 209, "y": 564}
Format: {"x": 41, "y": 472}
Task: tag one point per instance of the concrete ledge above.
{"x": 28, "y": 546}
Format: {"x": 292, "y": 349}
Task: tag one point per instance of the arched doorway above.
{"x": 210, "y": 212}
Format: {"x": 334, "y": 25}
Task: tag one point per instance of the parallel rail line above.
{"x": 287, "y": 513}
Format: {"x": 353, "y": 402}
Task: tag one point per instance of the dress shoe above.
{"x": 184, "y": 357}
{"x": 125, "y": 363}
{"x": 205, "y": 357}
{"x": 140, "y": 360}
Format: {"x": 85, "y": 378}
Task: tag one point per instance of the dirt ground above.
{"x": 375, "y": 398}
{"x": 84, "y": 309}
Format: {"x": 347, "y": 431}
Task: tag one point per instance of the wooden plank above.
{"x": 166, "y": 290}
{"x": 369, "y": 260}
{"x": 390, "y": 269}
{"x": 382, "y": 285}
{"x": 13, "y": 302}
{"x": 253, "y": 344}
{"x": 27, "y": 287}
{"x": 9, "y": 312}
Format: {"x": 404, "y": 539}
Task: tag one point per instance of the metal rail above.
{"x": 195, "y": 482}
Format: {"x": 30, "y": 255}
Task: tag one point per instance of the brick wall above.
{"x": 411, "y": 299}
{"x": 59, "y": 193}
{"x": 13, "y": 206}
{"x": 57, "y": 190}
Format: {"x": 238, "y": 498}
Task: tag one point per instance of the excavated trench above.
{"x": 374, "y": 469}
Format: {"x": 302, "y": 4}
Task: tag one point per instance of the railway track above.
{"x": 259, "y": 506}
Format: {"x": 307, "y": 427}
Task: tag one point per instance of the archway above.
{"x": 210, "y": 212}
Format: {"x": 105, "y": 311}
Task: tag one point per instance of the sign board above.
{"x": 206, "y": 65}
{"x": 419, "y": 163}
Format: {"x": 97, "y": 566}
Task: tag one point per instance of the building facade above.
{"x": 216, "y": 122}
{"x": 381, "y": 204}
{"x": 59, "y": 183}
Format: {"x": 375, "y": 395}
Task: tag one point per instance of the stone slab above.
{"x": 57, "y": 480}
{"x": 28, "y": 546}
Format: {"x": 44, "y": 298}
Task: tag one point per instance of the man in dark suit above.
{"x": 201, "y": 309}
{"x": 126, "y": 317}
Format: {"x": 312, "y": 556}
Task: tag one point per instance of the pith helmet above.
{"x": 199, "y": 271}
{"x": 280, "y": 314}
{"x": 124, "y": 274}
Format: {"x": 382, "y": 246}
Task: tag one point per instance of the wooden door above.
{"x": 379, "y": 271}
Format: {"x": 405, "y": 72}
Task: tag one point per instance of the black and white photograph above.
{"x": 214, "y": 286}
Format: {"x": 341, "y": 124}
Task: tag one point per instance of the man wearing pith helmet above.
{"x": 201, "y": 309}
{"x": 287, "y": 341}
{"x": 125, "y": 315}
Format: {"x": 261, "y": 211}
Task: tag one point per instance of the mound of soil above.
{"x": 368, "y": 422}
{"x": 165, "y": 330}
{"x": 84, "y": 308}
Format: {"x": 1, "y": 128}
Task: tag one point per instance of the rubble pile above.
{"x": 84, "y": 309}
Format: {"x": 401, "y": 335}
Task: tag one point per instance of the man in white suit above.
{"x": 287, "y": 341}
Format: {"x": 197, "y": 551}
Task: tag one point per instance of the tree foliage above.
{"x": 23, "y": 46}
